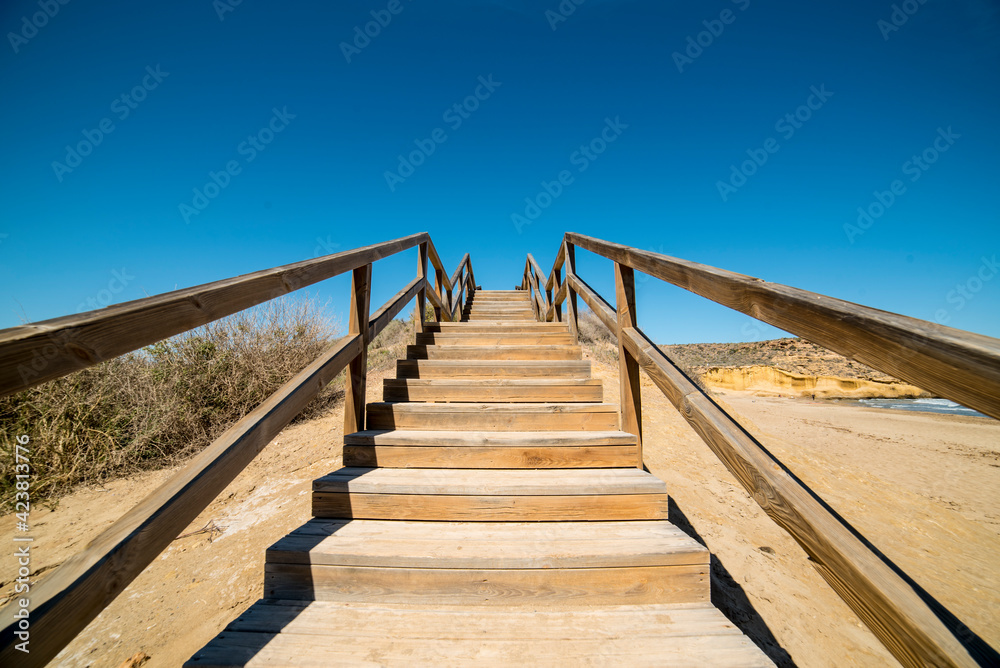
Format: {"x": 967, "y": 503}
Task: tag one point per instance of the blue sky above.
{"x": 648, "y": 110}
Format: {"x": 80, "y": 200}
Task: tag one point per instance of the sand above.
{"x": 924, "y": 488}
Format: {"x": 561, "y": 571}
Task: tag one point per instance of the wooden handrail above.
{"x": 82, "y": 586}
{"x": 951, "y": 363}
{"x": 38, "y": 352}
{"x": 897, "y": 611}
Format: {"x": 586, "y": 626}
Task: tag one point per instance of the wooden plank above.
{"x": 490, "y": 457}
{"x": 435, "y": 301}
{"x": 472, "y": 416}
{"x": 584, "y": 482}
{"x": 556, "y": 266}
{"x": 441, "y": 623}
{"x": 489, "y": 389}
{"x": 561, "y": 352}
{"x": 888, "y": 604}
{"x": 498, "y": 339}
{"x": 76, "y": 592}
{"x": 501, "y": 439}
{"x": 492, "y": 368}
{"x": 507, "y": 588}
{"x": 571, "y": 303}
{"x": 382, "y": 317}
{"x": 357, "y": 371}
{"x": 34, "y": 353}
{"x": 272, "y": 649}
{"x": 628, "y": 368}
{"x": 481, "y": 508}
{"x": 452, "y": 329}
{"x": 951, "y": 363}
{"x": 435, "y": 260}
{"x": 454, "y": 281}
{"x": 488, "y": 545}
{"x": 419, "y": 310}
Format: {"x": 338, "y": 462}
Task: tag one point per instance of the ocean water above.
{"x": 924, "y": 405}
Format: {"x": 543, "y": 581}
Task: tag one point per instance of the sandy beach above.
{"x": 924, "y": 488}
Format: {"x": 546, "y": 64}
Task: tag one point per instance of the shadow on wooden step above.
{"x": 729, "y": 597}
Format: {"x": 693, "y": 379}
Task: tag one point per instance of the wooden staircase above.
{"x": 491, "y": 514}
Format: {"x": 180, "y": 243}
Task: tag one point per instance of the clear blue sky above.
{"x": 211, "y": 75}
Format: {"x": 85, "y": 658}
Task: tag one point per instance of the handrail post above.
{"x": 437, "y": 288}
{"x": 422, "y": 294}
{"x": 628, "y": 367}
{"x": 357, "y": 370}
{"x": 548, "y": 299}
{"x": 557, "y": 285}
{"x": 571, "y": 304}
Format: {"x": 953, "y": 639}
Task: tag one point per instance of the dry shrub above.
{"x": 390, "y": 344}
{"x": 153, "y": 407}
{"x": 598, "y": 338}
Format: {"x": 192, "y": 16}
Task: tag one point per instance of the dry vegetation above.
{"x": 157, "y": 406}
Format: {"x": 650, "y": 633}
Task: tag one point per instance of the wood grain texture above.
{"x": 881, "y": 598}
{"x": 34, "y": 353}
{"x": 356, "y": 380}
{"x": 512, "y": 352}
{"x": 76, "y": 592}
{"x": 572, "y": 317}
{"x": 490, "y": 457}
{"x": 493, "y": 416}
{"x": 507, "y": 588}
{"x": 951, "y": 363}
{"x": 628, "y": 367}
{"x": 490, "y": 389}
{"x": 419, "y": 309}
{"x": 497, "y": 508}
{"x": 493, "y": 369}
{"x": 604, "y": 311}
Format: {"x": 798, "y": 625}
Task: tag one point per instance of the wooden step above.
{"x": 558, "y": 564}
{"x": 494, "y": 416}
{"x": 464, "y": 495}
{"x": 500, "y": 326}
{"x": 489, "y": 390}
{"x": 493, "y": 369}
{"x": 400, "y": 448}
{"x": 325, "y": 633}
{"x": 495, "y": 339}
{"x": 509, "y": 352}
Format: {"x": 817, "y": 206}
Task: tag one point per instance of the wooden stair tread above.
{"x": 488, "y": 545}
{"x": 321, "y": 633}
{"x": 499, "y": 352}
{"x": 501, "y": 439}
{"x": 473, "y": 416}
{"x": 492, "y": 390}
{"x": 493, "y": 368}
{"x": 490, "y": 482}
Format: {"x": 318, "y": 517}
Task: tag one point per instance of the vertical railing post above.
{"x": 437, "y": 288}
{"x": 357, "y": 370}
{"x": 557, "y": 285}
{"x": 628, "y": 366}
{"x": 422, "y": 293}
{"x": 574, "y": 324}
{"x": 450, "y": 301}
{"x": 548, "y": 298}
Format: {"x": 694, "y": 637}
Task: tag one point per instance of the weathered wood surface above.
{"x": 490, "y": 389}
{"x": 493, "y": 369}
{"x": 356, "y": 378}
{"x": 331, "y": 633}
{"x": 493, "y": 416}
{"x": 76, "y": 592}
{"x": 628, "y": 367}
{"x": 890, "y": 607}
{"x": 32, "y": 354}
{"x": 951, "y": 363}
